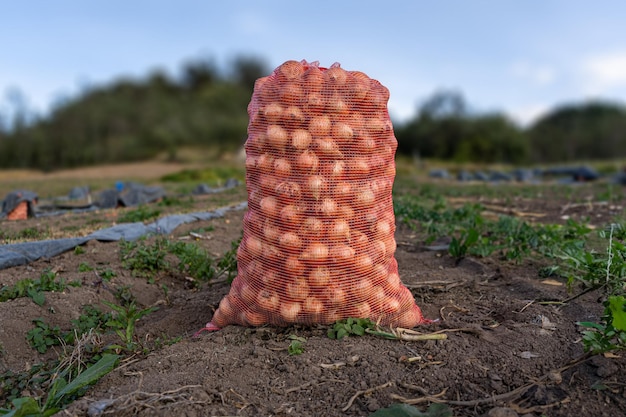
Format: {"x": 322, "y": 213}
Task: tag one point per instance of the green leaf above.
{"x": 591, "y": 325}
{"x": 358, "y": 330}
{"x": 23, "y": 407}
{"x": 617, "y": 305}
{"x": 91, "y": 375}
{"x": 341, "y": 333}
{"x": 405, "y": 410}
{"x": 38, "y": 297}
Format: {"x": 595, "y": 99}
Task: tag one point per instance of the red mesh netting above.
{"x": 318, "y": 237}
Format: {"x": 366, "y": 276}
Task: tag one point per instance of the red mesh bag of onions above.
{"x": 318, "y": 236}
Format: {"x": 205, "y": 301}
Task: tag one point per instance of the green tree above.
{"x": 593, "y": 130}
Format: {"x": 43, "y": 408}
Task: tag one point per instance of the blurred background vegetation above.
{"x": 159, "y": 115}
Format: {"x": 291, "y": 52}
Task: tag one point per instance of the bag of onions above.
{"x": 318, "y": 237}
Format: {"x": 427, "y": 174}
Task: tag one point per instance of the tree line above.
{"x": 137, "y": 119}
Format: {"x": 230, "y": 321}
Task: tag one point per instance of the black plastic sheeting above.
{"x": 23, "y": 253}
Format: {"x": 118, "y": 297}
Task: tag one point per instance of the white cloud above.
{"x": 541, "y": 75}
{"x": 605, "y": 72}
{"x": 527, "y": 115}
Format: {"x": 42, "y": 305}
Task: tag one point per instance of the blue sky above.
{"x": 520, "y": 57}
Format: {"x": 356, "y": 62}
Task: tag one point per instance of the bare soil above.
{"x": 507, "y": 345}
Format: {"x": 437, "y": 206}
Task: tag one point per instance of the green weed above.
{"x": 84, "y": 267}
{"x": 350, "y": 327}
{"x": 143, "y": 259}
{"x": 35, "y": 289}
{"x": 123, "y": 322}
{"x": 43, "y": 336}
{"x": 296, "y": 346}
{"x": 141, "y": 214}
{"x": 605, "y": 272}
{"x": 62, "y": 390}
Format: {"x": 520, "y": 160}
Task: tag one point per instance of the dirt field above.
{"x": 507, "y": 345}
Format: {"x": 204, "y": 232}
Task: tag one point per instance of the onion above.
{"x": 383, "y": 229}
{"x": 380, "y": 187}
{"x": 269, "y": 206}
{"x": 290, "y": 215}
{"x": 343, "y": 191}
{"x": 335, "y": 76}
{"x": 408, "y": 319}
{"x": 342, "y": 254}
{"x": 366, "y": 144}
{"x": 346, "y": 212}
{"x": 307, "y": 161}
{"x": 336, "y": 105}
{"x": 254, "y": 318}
{"x": 391, "y": 245}
{"x": 288, "y": 191}
{"x": 362, "y": 310}
{"x": 330, "y": 317}
{"x": 362, "y": 264}
{"x": 260, "y": 82}
{"x": 339, "y": 229}
{"x": 365, "y": 198}
{"x": 315, "y": 252}
{"x": 378, "y": 95}
{"x": 360, "y": 85}
{"x": 337, "y": 169}
{"x": 268, "y": 300}
{"x": 226, "y": 307}
{"x": 293, "y": 116}
{"x": 282, "y": 167}
{"x": 272, "y": 112}
{"x": 268, "y": 183}
{"x": 377, "y": 296}
{"x": 251, "y": 162}
{"x": 300, "y": 139}
{"x": 327, "y": 207}
{"x": 291, "y": 93}
{"x": 277, "y": 137}
{"x": 378, "y": 250}
{"x": 393, "y": 284}
{"x": 313, "y": 79}
{"x": 294, "y": 267}
{"x": 254, "y": 246}
{"x": 359, "y": 240}
{"x": 290, "y": 242}
{"x": 316, "y": 186}
{"x": 314, "y": 103}
{"x": 270, "y": 231}
{"x": 380, "y": 272}
{"x": 319, "y": 276}
{"x": 290, "y": 70}
{"x": 297, "y": 289}
{"x": 265, "y": 163}
{"x": 247, "y": 293}
{"x": 312, "y": 227}
{"x": 342, "y": 133}
{"x": 359, "y": 167}
{"x": 289, "y": 311}
{"x": 376, "y": 126}
{"x": 320, "y": 126}
{"x": 271, "y": 253}
{"x": 391, "y": 305}
{"x": 335, "y": 295}
{"x": 326, "y": 146}
{"x": 313, "y": 306}
{"x": 362, "y": 289}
